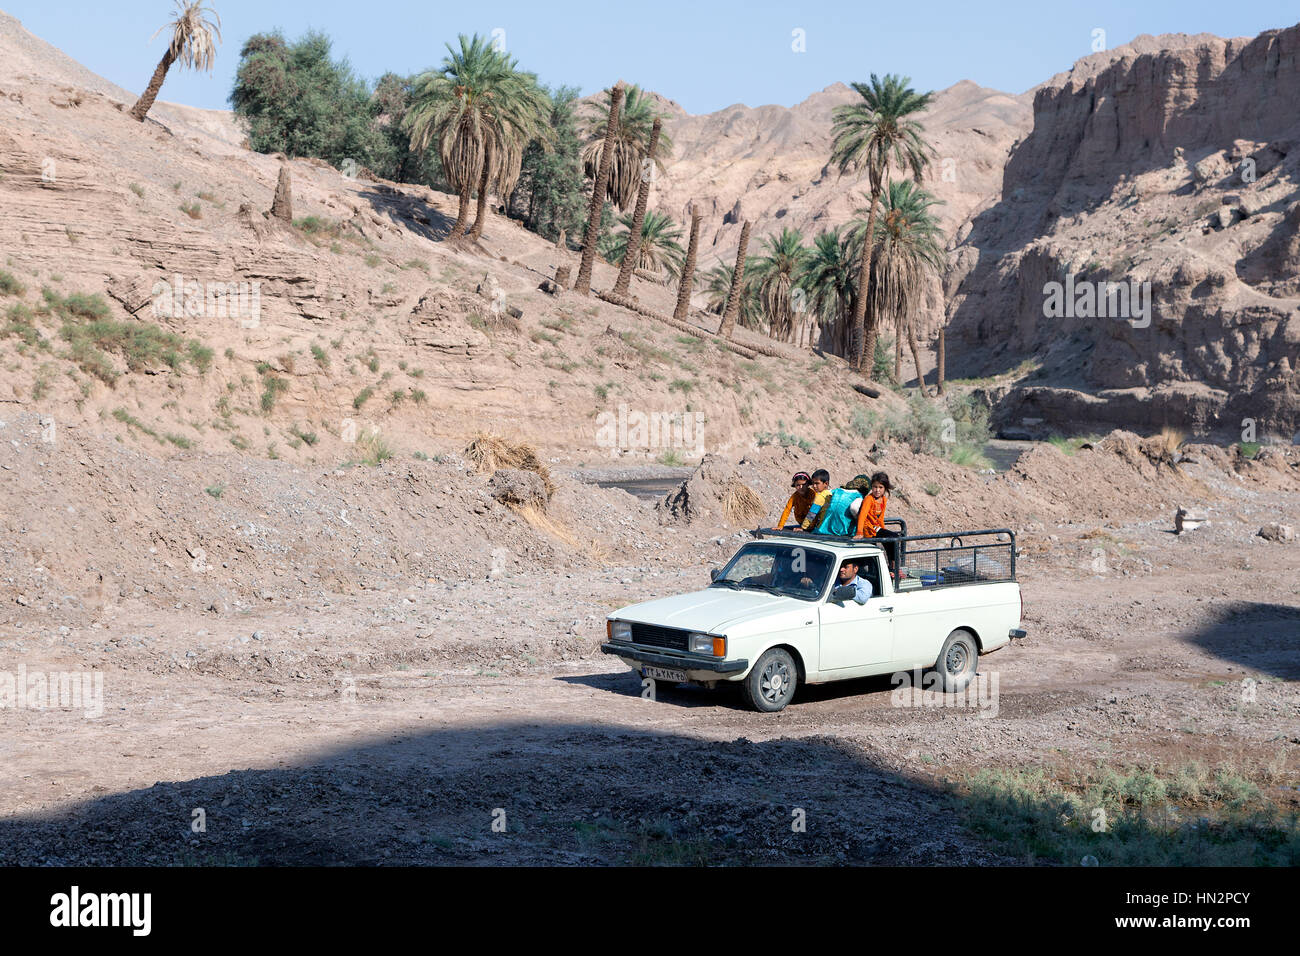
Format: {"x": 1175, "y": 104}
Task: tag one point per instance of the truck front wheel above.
{"x": 771, "y": 681}
{"x": 957, "y": 661}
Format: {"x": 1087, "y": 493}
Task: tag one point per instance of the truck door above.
{"x": 853, "y": 634}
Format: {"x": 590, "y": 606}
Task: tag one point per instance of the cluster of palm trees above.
{"x": 810, "y": 294}
{"x": 482, "y": 111}
{"x": 794, "y": 292}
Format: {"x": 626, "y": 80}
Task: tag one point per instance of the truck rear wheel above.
{"x": 957, "y": 661}
{"x": 771, "y": 682}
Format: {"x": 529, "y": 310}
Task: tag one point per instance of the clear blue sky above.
{"x": 706, "y": 54}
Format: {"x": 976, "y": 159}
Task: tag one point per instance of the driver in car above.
{"x": 849, "y": 578}
{"x": 782, "y": 575}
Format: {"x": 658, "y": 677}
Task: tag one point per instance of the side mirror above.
{"x": 844, "y": 592}
{"x": 715, "y": 573}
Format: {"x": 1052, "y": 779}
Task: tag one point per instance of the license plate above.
{"x": 664, "y": 673}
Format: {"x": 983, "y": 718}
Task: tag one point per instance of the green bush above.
{"x": 374, "y": 449}
{"x": 1130, "y": 816}
{"x": 309, "y": 437}
{"x": 274, "y": 386}
{"x": 20, "y": 321}
{"x": 300, "y": 101}
{"x": 956, "y": 428}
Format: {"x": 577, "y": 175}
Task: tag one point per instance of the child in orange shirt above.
{"x": 871, "y": 517}
{"x": 801, "y": 499}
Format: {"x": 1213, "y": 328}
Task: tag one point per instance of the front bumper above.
{"x": 658, "y": 659}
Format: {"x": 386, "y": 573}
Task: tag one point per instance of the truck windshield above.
{"x": 777, "y": 567}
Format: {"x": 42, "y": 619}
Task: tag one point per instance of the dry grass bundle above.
{"x": 489, "y": 451}
{"x": 541, "y": 521}
{"x": 740, "y": 504}
{"x": 1170, "y": 440}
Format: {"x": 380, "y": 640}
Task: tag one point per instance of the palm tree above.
{"x": 191, "y": 45}
{"x": 582, "y": 284}
{"x": 873, "y": 135}
{"x": 739, "y": 288}
{"x": 481, "y": 110}
{"x": 779, "y": 272}
{"x": 688, "y": 271}
{"x": 638, "y": 216}
{"x": 659, "y": 248}
{"x": 717, "y": 288}
{"x": 633, "y": 132}
{"x": 908, "y": 244}
{"x": 830, "y": 278}
{"x": 519, "y": 111}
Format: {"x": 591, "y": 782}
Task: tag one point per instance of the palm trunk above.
{"x": 145, "y": 102}
{"x": 898, "y": 353}
{"x": 939, "y": 368}
{"x": 480, "y": 215}
{"x": 865, "y": 343}
{"x": 729, "y": 314}
{"x": 869, "y": 345}
{"x": 582, "y": 284}
{"x": 632, "y": 251}
{"x": 916, "y": 358}
{"x": 462, "y": 216}
{"x": 688, "y": 270}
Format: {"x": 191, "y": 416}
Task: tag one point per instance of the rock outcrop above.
{"x": 1173, "y": 168}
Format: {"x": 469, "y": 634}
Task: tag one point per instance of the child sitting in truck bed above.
{"x": 801, "y": 499}
{"x": 821, "y": 489}
{"x": 871, "y": 517}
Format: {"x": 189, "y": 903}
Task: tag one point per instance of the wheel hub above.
{"x": 776, "y": 680}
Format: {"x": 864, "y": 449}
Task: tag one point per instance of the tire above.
{"x": 771, "y": 682}
{"x": 958, "y": 661}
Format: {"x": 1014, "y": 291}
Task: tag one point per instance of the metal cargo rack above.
{"x": 936, "y": 560}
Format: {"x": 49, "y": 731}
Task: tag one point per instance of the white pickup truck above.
{"x": 776, "y": 615}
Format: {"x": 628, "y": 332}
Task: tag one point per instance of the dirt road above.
{"x": 396, "y": 746}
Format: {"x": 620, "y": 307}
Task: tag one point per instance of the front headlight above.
{"x": 621, "y": 631}
{"x": 700, "y": 644}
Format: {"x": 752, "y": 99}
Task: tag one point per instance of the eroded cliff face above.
{"x": 1178, "y": 167}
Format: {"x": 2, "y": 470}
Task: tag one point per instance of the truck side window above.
{"x": 870, "y": 571}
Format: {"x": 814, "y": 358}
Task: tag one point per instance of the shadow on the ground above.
{"x": 409, "y": 212}
{"x": 564, "y": 793}
{"x": 727, "y": 693}
{"x": 1261, "y": 637}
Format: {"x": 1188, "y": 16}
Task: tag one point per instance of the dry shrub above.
{"x": 489, "y": 452}
{"x": 740, "y": 504}
{"x": 539, "y": 520}
{"x": 1170, "y": 440}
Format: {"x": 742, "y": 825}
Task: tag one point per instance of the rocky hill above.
{"x": 768, "y": 164}
{"x": 1176, "y": 164}
{"x": 366, "y": 323}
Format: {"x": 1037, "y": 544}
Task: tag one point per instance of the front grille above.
{"x": 656, "y": 636}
